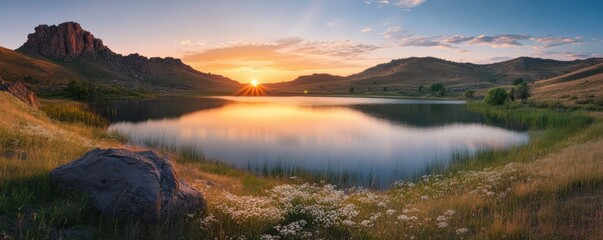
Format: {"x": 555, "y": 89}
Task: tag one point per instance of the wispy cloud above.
{"x": 365, "y": 29}
{"x": 551, "y": 41}
{"x": 330, "y": 24}
{"x": 192, "y": 43}
{"x": 286, "y": 54}
{"x": 406, "y": 4}
{"x": 391, "y": 32}
{"x": 504, "y": 40}
{"x": 567, "y": 55}
{"x": 495, "y": 41}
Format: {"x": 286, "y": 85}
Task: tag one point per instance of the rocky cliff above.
{"x": 79, "y": 50}
{"x": 67, "y": 42}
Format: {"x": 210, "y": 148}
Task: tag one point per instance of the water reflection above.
{"x": 366, "y": 141}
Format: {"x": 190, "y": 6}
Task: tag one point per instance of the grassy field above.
{"x": 550, "y": 189}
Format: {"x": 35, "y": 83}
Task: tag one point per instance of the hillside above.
{"x": 578, "y": 87}
{"x": 34, "y": 70}
{"x": 53, "y": 55}
{"x": 410, "y": 73}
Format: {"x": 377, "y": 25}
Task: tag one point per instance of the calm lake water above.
{"x": 350, "y": 141}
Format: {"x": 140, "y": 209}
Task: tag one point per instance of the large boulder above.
{"x": 20, "y": 91}
{"x": 128, "y": 184}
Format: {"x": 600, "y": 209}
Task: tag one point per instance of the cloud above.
{"x": 551, "y": 41}
{"x": 406, "y": 4}
{"x": 567, "y": 55}
{"x": 191, "y": 43}
{"x": 391, "y": 31}
{"x": 330, "y": 24}
{"x": 405, "y": 39}
{"x": 504, "y": 40}
{"x": 365, "y": 29}
{"x": 290, "y": 54}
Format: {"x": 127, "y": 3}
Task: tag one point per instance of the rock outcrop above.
{"x": 128, "y": 184}
{"x": 67, "y": 42}
{"x": 20, "y": 91}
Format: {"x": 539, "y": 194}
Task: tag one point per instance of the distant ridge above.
{"x": 409, "y": 73}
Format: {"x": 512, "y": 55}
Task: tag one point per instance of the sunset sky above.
{"x": 278, "y": 40}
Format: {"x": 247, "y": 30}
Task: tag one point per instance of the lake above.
{"x": 349, "y": 141}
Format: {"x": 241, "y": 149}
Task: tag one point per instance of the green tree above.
{"x": 512, "y": 94}
{"x": 79, "y": 90}
{"x": 437, "y": 87}
{"x": 523, "y": 91}
{"x": 496, "y": 96}
{"x": 518, "y": 81}
{"x": 469, "y": 93}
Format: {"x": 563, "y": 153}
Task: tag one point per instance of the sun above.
{"x": 254, "y": 83}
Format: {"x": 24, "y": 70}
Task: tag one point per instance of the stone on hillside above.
{"x": 20, "y": 91}
{"x": 128, "y": 184}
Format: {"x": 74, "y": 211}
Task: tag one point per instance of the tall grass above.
{"x": 73, "y": 112}
{"x": 523, "y": 117}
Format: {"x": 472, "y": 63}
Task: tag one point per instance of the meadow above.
{"x": 551, "y": 188}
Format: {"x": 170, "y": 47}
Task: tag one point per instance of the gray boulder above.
{"x": 128, "y": 184}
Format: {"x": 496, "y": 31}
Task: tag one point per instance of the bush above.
{"x": 79, "y": 90}
{"x": 523, "y": 91}
{"x": 351, "y": 89}
{"x": 469, "y": 93}
{"x": 496, "y": 96}
{"x": 518, "y": 81}
{"x": 437, "y": 87}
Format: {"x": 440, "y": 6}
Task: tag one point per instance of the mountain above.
{"x": 410, "y": 73}
{"x": 53, "y": 55}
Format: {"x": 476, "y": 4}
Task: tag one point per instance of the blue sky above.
{"x": 276, "y": 40}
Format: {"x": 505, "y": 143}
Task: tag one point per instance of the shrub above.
{"x": 437, "y": 87}
{"x": 518, "y": 81}
{"x": 469, "y": 93}
{"x": 79, "y": 90}
{"x": 523, "y": 91}
{"x": 496, "y": 96}
{"x": 351, "y": 89}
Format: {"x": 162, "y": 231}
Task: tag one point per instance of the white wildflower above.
{"x": 442, "y": 224}
{"x": 389, "y": 212}
{"x": 462, "y": 231}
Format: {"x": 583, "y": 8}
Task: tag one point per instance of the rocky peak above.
{"x": 67, "y": 42}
